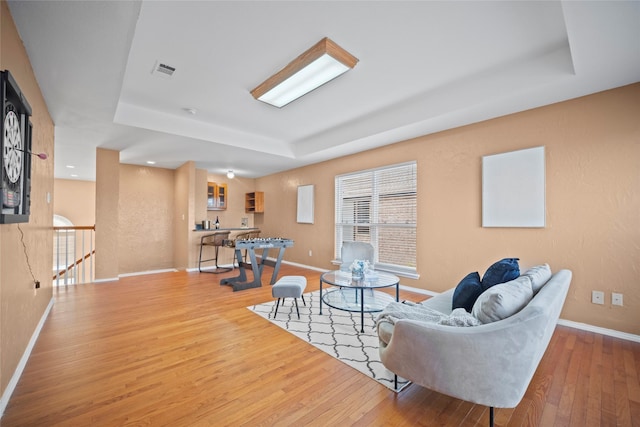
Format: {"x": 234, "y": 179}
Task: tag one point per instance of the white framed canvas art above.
{"x": 513, "y": 189}
{"x": 305, "y": 204}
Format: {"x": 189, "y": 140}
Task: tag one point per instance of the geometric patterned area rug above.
{"x": 336, "y": 332}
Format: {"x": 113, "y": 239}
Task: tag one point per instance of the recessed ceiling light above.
{"x": 74, "y": 175}
{"x": 151, "y": 162}
{"x": 70, "y": 167}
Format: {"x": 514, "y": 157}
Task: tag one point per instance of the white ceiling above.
{"x": 424, "y": 67}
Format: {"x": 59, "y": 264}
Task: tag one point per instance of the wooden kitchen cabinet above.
{"x": 254, "y": 202}
{"x": 216, "y": 196}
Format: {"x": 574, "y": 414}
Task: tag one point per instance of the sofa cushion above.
{"x": 500, "y": 272}
{"x": 539, "y": 275}
{"x": 467, "y": 292}
{"x": 503, "y": 300}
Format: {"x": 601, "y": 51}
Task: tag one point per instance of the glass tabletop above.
{"x": 367, "y": 301}
{"x": 372, "y": 279}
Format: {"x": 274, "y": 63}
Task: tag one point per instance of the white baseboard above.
{"x": 419, "y": 291}
{"x": 141, "y": 273}
{"x": 110, "y": 279}
{"x": 308, "y": 267}
{"x": 599, "y": 330}
{"x": 137, "y": 273}
{"x": 4, "y": 400}
{"x": 195, "y": 269}
{"x": 62, "y": 285}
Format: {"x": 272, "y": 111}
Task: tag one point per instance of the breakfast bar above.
{"x": 217, "y": 238}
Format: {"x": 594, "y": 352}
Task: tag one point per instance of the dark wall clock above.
{"x": 15, "y": 170}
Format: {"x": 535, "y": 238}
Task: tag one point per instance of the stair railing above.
{"x": 73, "y": 254}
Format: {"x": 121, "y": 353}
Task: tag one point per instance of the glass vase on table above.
{"x": 358, "y": 268}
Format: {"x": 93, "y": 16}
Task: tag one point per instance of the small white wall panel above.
{"x": 513, "y": 189}
{"x": 305, "y": 204}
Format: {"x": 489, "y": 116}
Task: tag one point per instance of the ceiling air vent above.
{"x": 163, "y": 70}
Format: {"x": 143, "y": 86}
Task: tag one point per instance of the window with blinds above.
{"x": 379, "y": 206}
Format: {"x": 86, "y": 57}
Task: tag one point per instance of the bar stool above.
{"x": 216, "y": 240}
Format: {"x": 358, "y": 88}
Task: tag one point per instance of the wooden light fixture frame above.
{"x": 324, "y": 46}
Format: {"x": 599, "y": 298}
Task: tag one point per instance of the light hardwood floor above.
{"x": 178, "y": 349}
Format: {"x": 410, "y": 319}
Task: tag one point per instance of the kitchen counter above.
{"x": 199, "y": 228}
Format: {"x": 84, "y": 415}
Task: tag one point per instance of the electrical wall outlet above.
{"x": 616, "y": 299}
{"x": 310, "y": 253}
{"x": 597, "y": 297}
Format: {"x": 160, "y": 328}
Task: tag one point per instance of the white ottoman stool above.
{"x": 289, "y": 287}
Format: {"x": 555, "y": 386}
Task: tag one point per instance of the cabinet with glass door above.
{"x": 216, "y": 196}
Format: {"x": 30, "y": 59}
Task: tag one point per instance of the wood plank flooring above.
{"x": 178, "y": 349}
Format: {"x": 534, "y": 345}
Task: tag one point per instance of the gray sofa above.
{"x": 490, "y": 364}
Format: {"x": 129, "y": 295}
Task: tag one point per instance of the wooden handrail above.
{"x": 60, "y": 273}
{"x": 74, "y": 227}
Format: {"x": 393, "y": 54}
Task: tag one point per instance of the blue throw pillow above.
{"x": 505, "y": 270}
{"x": 467, "y": 292}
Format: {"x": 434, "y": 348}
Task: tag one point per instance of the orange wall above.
{"x": 145, "y": 214}
{"x": 184, "y": 207}
{"x": 107, "y": 217}
{"x": 592, "y": 202}
{"x": 75, "y": 200}
{"x": 21, "y": 305}
{"x": 145, "y": 241}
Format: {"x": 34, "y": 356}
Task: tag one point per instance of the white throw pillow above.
{"x": 539, "y": 275}
{"x": 503, "y": 300}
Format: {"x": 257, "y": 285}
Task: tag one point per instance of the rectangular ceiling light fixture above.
{"x": 323, "y": 62}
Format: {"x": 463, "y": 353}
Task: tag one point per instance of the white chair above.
{"x": 355, "y": 250}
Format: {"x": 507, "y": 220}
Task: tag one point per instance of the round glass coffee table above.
{"x": 358, "y": 295}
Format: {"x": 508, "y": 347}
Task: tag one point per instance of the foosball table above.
{"x": 240, "y": 282}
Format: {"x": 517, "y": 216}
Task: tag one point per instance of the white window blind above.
{"x": 379, "y": 206}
